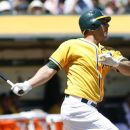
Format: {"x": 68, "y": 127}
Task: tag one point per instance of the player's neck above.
{"x": 92, "y": 40}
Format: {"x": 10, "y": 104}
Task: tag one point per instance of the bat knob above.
{"x": 21, "y": 91}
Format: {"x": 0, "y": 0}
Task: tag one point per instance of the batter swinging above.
{"x": 86, "y": 62}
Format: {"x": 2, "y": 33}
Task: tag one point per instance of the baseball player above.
{"x": 86, "y": 62}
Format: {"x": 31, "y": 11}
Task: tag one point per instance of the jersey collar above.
{"x": 87, "y": 41}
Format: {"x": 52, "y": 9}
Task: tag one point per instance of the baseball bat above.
{"x": 9, "y": 82}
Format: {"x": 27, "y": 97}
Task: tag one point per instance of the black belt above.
{"x": 85, "y": 101}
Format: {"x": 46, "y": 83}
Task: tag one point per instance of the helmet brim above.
{"x": 107, "y": 18}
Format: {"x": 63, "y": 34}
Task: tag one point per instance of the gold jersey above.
{"x": 85, "y": 75}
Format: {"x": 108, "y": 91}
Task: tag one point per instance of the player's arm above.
{"x": 57, "y": 61}
{"x": 124, "y": 67}
{"x": 44, "y": 74}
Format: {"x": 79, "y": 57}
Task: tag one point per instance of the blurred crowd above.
{"x": 57, "y": 7}
{"x": 9, "y": 103}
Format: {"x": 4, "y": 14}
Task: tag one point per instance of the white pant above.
{"x": 122, "y": 126}
{"x": 81, "y": 116}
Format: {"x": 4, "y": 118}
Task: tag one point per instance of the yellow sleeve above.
{"x": 117, "y": 55}
{"x": 62, "y": 55}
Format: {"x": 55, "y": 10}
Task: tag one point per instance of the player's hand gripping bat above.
{"x": 2, "y": 76}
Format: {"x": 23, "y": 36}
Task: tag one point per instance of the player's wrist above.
{"x": 116, "y": 63}
{"x": 27, "y": 86}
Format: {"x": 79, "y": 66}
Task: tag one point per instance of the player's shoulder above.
{"x": 70, "y": 42}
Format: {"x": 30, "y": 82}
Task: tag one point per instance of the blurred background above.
{"x": 31, "y": 30}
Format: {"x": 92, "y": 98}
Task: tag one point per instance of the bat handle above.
{"x": 12, "y": 84}
{"x": 20, "y": 91}
{"x": 9, "y": 82}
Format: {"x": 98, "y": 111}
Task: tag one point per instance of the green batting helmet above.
{"x": 90, "y": 20}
